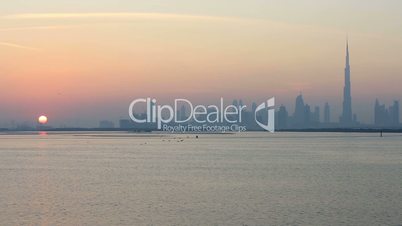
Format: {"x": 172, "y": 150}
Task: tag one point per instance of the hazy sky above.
{"x": 81, "y": 61}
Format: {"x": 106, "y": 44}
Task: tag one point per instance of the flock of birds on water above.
{"x": 177, "y": 139}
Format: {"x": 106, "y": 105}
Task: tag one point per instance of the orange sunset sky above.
{"x": 83, "y": 61}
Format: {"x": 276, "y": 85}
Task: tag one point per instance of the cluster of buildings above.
{"x": 304, "y": 115}
{"x": 384, "y": 117}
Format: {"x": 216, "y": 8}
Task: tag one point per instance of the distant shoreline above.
{"x": 317, "y": 130}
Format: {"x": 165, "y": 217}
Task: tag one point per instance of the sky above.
{"x": 79, "y": 62}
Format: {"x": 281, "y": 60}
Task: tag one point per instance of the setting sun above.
{"x": 42, "y": 119}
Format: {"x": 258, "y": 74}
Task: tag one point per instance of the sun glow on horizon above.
{"x": 42, "y": 119}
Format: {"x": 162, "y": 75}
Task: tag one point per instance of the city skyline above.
{"x": 304, "y": 116}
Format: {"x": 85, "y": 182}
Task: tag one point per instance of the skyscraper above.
{"x": 326, "y": 113}
{"x": 395, "y": 113}
{"x": 282, "y": 118}
{"x": 346, "y": 118}
{"x": 386, "y": 117}
{"x": 316, "y": 114}
{"x": 299, "y": 116}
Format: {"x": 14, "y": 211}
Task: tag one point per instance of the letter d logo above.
{"x": 270, "y": 106}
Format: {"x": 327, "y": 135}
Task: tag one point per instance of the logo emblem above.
{"x": 270, "y": 107}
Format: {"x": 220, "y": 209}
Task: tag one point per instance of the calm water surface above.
{"x": 241, "y": 179}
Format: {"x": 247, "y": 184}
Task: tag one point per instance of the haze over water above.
{"x": 228, "y": 179}
{"x": 82, "y": 62}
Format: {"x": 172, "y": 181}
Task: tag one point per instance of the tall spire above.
{"x": 346, "y": 118}
{"x": 347, "y": 51}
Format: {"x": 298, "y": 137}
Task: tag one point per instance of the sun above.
{"x": 42, "y": 119}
